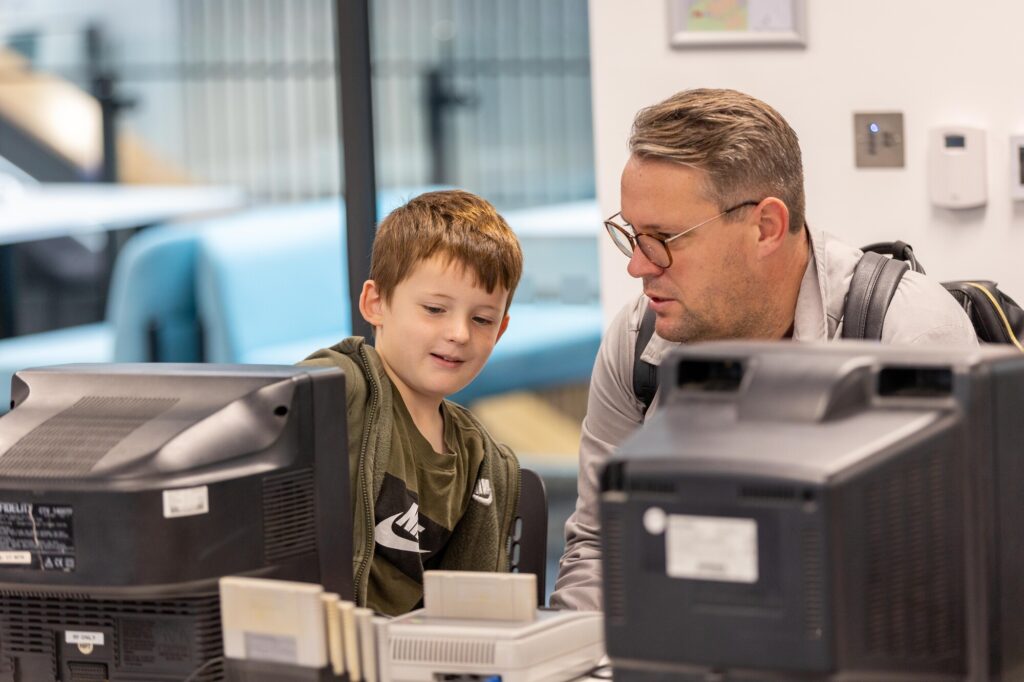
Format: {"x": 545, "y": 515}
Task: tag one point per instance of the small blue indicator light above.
{"x": 874, "y": 128}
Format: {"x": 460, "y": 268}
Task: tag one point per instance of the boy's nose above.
{"x": 458, "y": 331}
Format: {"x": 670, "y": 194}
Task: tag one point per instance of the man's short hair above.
{"x": 746, "y": 148}
{"x": 461, "y": 227}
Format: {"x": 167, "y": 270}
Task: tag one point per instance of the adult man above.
{"x": 730, "y": 165}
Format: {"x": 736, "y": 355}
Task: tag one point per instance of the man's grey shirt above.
{"x": 921, "y": 312}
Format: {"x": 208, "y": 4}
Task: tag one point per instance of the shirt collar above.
{"x": 810, "y": 317}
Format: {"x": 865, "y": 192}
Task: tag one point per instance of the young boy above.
{"x": 430, "y": 488}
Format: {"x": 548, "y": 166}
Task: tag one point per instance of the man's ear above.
{"x": 501, "y": 328}
{"x": 772, "y": 225}
{"x": 371, "y": 303}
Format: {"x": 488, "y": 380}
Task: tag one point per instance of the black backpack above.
{"x": 996, "y": 317}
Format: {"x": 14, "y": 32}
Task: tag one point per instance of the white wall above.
{"x": 937, "y": 61}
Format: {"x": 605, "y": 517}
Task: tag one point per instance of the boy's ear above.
{"x": 370, "y": 303}
{"x": 501, "y": 328}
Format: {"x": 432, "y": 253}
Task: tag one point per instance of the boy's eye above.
{"x": 433, "y": 309}
{"x": 483, "y": 320}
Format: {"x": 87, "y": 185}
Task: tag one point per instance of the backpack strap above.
{"x": 874, "y": 282}
{"x": 898, "y": 250}
{"x": 645, "y": 375}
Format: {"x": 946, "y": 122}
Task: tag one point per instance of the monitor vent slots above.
{"x": 289, "y": 515}
{"x": 913, "y": 594}
{"x": 71, "y": 442}
{"x": 766, "y": 494}
{"x": 29, "y": 621}
{"x": 425, "y": 650}
{"x": 614, "y": 566}
{"x": 812, "y": 566}
{"x": 88, "y": 672}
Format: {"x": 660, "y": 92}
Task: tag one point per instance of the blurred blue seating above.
{"x": 152, "y": 302}
{"x": 151, "y": 313}
{"x": 272, "y": 283}
{"x": 272, "y": 287}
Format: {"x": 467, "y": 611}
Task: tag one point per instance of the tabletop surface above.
{"x": 52, "y": 210}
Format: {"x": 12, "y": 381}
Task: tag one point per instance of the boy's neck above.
{"x": 425, "y": 412}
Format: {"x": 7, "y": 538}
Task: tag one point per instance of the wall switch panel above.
{"x": 878, "y": 140}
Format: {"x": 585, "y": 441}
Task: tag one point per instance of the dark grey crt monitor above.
{"x": 836, "y": 512}
{"x": 127, "y": 491}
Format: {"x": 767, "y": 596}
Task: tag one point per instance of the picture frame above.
{"x": 737, "y": 23}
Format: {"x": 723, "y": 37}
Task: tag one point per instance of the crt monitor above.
{"x": 127, "y": 491}
{"x": 836, "y": 512}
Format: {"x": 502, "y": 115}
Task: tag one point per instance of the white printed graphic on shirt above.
{"x": 409, "y": 521}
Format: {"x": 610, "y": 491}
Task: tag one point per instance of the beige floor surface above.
{"x": 541, "y": 425}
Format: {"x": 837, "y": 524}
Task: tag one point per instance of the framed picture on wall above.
{"x": 700, "y": 23}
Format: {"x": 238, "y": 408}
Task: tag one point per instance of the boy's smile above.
{"x": 437, "y": 331}
{"x": 448, "y": 360}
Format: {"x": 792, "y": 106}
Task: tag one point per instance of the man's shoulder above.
{"x": 922, "y": 310}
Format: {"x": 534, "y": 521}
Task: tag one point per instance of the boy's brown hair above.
{"x": 461, "y": 227}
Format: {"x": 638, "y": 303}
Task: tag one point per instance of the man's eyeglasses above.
{"x": 655, "y": 248}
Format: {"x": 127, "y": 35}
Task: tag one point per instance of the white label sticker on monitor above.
{"x": 18, "y": 558}
{"x": 81, "y": 637}
{"x": 711, "y": 548}
{"x": 186, "y": 502}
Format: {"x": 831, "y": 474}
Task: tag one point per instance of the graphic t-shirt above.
{"x": 423, "y": 496}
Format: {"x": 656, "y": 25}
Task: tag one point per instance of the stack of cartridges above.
{"x": 280, "y": 630}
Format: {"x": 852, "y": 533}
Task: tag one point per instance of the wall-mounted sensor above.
{"x": 956, "y": 167}
{"x": 1017, "y": 167}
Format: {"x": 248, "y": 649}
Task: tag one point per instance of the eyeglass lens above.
{"x": 620, "y": 238}
{"x": 653, "y": 249}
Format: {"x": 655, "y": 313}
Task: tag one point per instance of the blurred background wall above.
{"x": 939, "y": 63}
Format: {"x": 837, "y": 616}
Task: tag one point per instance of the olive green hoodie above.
{"x": 480, "y": 540}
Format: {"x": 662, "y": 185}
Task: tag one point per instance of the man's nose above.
{"x": 640, "y": 266}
